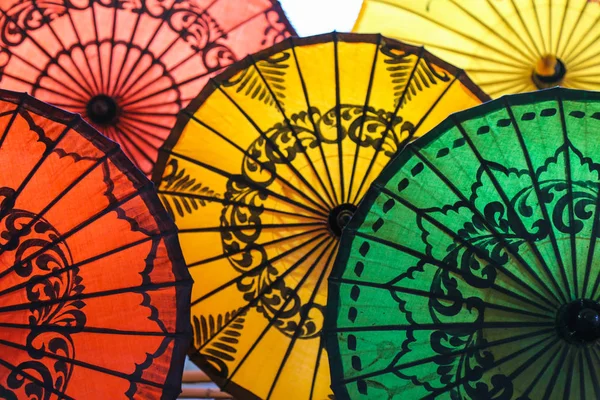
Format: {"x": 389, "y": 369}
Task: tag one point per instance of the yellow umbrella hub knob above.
{"x": 548, "y": 72}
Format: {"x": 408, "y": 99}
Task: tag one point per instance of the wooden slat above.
{"x": 195, "y": 393}
{"x": 192, "y": 376}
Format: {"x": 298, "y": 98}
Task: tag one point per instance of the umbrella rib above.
{"x": 464, "y": 35}
{"x": 249, "y": 182}
{"x": 498, "y": 236}
{"x": 57, "y": 272}
{"x": 51, "y": 28}
{"x": 450, "y": 325}
{"x": 223, "y": 35}
{"x": 557, "y": 369}
{"x": 592, "y": 371}
{"x": 111, "y": 132}
{"x": 312, "y": 120}
{"x": 338, "y": 118}
{"x": 316, "y": 369}
{"x": 562, "y": 25}
{"x": 152, "y": 124}
{"x": 42, "y": 385}
{"x": 570, "y": 37}
{"x": 570, "y": 57}
{"x": 89, "y": 329}
{"x": 119, "y": 88}
{"x": 87, "y": 365}
{"x": 580, "y": 66}
{"x": 56, "y": 199}
{"x": 145, "y": 189}
{"x": 77, "y": 109}
{"x": 501, "y": 361}
{"x": 294, "y": 133}
{"x": 364, "y": 112}
{"x": 32, "y": 84}
{"x": 543, "y": 208}
{"x": 262, "y": 265}
{"x": 260, "y": 295}
{"x": 550, "y": 25}
{"x": 569, "y": 176}
{"x": 201, "y": 75}
{"x": 550, "y": 333}
{"x": 113, "y": 91}
{"x": 122, "y": 89}
{"x": 241, "y": 251}
{"x": 393, "y": 115}
{"x": 540, "y": 373}
{"x": 79, "y": 97}
{"x": 427, "y": 294}
{"x": 319, "y": 210}
{"x": 595, "y": 231}
{"x": 510, "y": 87}
{"x": 455, "y": 270}
{"x": 509, "y": 26}
{"x": 111, "y": 40}
{"x": 432, "y": 45}
{"x": 275, "y": 148}
{"x": 125, "y": 129}
{"x": 43, "y": 50}
{"x": 134, "y": 111}
{"x": 134, "y": 126}
{"x": 510, "y": 207}
{"x": 126, "y": 138}
{"x": 539, "y": 25}
{"x": 103, "y": 88}
{"x": 10, "y": 123}
{"x": 525, "y": 25}
{"x": 35, "y": 305}
{"x": 227, "y": 202}
{"x": 569, "y": 378}
{"x": 479, "y": 253}
{"x": 304, "y": 316}
{"x": 279, "y": 227}
{"x": 49, "y": 150}
{"x": 281, "y": 309}
{"x": 501, "y": 80}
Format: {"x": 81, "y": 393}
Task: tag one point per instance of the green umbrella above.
{"x": 471, "y": 269}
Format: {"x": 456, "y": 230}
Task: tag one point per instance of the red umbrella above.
{"x": 94, "y": 292}
{"x": 128, "y": 66}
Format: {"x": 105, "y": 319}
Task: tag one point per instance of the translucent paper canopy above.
{"x": 94, "y": 291}
{"x": 470, "y": 271}
{"x": 128, "y": 66}
{"x": 261, "y": 173}
{"x": 505, "y": 46}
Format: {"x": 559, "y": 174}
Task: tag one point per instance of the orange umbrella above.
{"x": 128, "y": 66}
{"x": 94, "y": 293}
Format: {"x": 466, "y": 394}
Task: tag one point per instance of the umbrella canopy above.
{"x": 261, "y": 173}
{"x": 93, "y": 287}
{"x": 128, "y": 66}
{"x": 470, "y": 270}
{"x": 505, "y": 46}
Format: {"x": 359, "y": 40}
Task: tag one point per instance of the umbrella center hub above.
{"x": 339, "y": 218}
{"x": 549, "y": 72}
{"x": 102, "y": 109}
{"x": 579, "y": 321}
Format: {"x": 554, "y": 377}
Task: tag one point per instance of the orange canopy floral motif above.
{"x": 128, "y": 66}
{"x": 94, "y": 294}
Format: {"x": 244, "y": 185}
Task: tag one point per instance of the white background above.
{"x": 311, "y": 17}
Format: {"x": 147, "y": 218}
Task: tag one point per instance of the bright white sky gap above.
{"x": 311, "y": 17}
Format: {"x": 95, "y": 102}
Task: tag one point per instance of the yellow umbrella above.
{"x": 506, "y": 46}
{"x": 261, "y": 173}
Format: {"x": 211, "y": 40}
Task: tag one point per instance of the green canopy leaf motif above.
{"x": 471, "y": 270}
